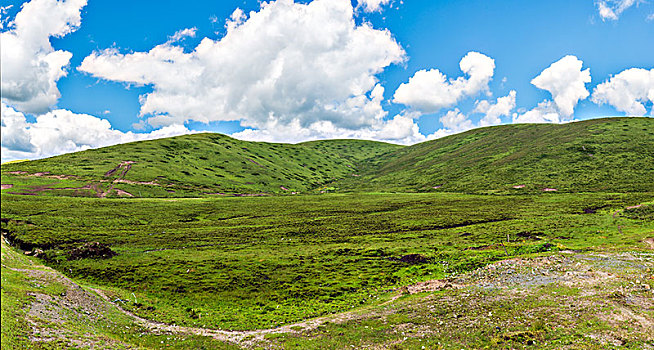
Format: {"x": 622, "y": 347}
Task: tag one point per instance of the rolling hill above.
{"x": 599, "y": 155}
{"x": 187, "y": 165}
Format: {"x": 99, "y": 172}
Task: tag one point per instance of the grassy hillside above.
{"x": 599, "y": 155}
{"x": 381, "y": 270}
{"x": 188, "y": 165}
{"x": 359, "y": 152}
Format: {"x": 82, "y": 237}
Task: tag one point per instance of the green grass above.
{"x": 190, "y": 256}
{"x": 598, "y": 155}
{"x": 195, "y": 165}
{"x": 247, "y": 263}
{"x": 110, "y": 328}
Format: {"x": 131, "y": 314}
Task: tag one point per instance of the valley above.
{"x": 490, "y": 238}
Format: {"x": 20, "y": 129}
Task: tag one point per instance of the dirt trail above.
{"x": 568, "y": 268}
{"x": 245, "y": 338}
{"x": 126, "y": 165}
{"x": 96, "y": 187}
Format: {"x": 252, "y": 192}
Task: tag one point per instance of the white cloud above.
{"x": 400, "y": 129}
{"x": 606, "y": 12}
{"x": 493, "y": 112}
{"x": 30, "y": 66}
{"x": 627, "y": 91}
{"x": 650, "y": 17}
{"x": 545, "y": 112}
{"x": 3, "y": 15}
{"x": 236, "y": 19}
{"x": 429, "y": 90}
{"x": 372, "y": 5}
{"x": 455, "y": 122}
{"x": 289, "y": 64}
{"x": 566, "y": 81}
{"x": 612, "y": 9}
{"x": 14, "y": 131}
{"x": 62, "y": 131}
{"x": 181, "y": 34}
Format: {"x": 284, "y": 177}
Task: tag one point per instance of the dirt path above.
{"x": 590, "y": 272}
{"x": 568, "y": 268}
{"x": 96, "y": 187}
{"x": 244, "y": 338}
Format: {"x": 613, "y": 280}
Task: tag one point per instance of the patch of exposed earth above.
{"x": 62, "y": 303}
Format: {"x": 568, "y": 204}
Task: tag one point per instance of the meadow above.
{"x": 250, "y": 263}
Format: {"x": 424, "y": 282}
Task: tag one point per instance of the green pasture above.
{"x": 259, "y": 262}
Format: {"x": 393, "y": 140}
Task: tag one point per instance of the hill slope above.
{"x": 599, "y": 155}
{"x": 613, "y": 154}
{"x": 190, "y": 164}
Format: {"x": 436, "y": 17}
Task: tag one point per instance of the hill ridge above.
{"x": 597, "y": 155}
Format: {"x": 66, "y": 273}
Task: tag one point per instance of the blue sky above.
{"x": 518, "y": 39}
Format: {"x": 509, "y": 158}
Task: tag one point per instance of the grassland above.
{"x": 248, "y": 263}
{"x": 211, "y": 240}
{"x": 193, "y": 165}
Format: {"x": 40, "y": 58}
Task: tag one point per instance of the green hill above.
{"x": 599, "y": 155}
{"x": 184, "y": 165}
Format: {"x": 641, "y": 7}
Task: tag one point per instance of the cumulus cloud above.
{"x": 612, "y": 9}
{"x": 62, "y": 131}
{"x": 629, "y": 91}
{"x": 493, "y": 112}
{"x": 545, "y": 112}
{"x": 400, "y": 129}
{"x": 566, "y": 81}
{"x": 455, "y": 122}
{"x": 429, "y": 91}
{"x": 372, "y": 5}
{"x": 287, "y": 65}
{"x": 181, "y": 34}
{"x": 30, "y": 66}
